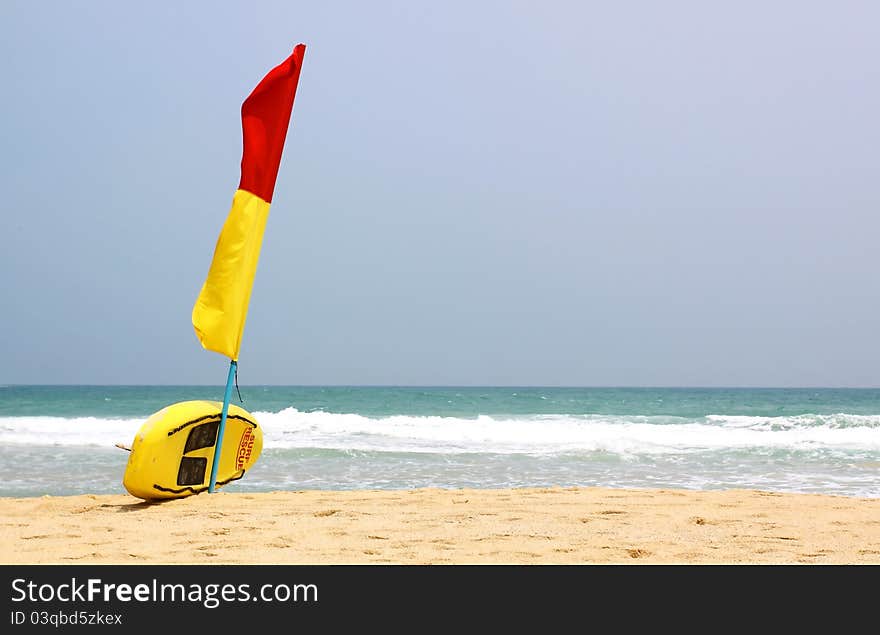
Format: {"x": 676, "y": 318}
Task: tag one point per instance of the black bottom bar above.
{"x": 424, "y": 597}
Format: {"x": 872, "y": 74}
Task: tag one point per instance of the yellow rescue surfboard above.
{"x": 173, "y": 452}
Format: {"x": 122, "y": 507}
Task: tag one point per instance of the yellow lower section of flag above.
{"x": 221, "y": 309}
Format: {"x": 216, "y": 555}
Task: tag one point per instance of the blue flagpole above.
{"x": 219, "y": 445}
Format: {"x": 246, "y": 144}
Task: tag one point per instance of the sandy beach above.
{"x": 435, "y": 526}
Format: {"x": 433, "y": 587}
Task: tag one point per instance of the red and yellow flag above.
{"x": 221, "y": 309}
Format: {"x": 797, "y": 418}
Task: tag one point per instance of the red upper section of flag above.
{"x": 265, "y": 117}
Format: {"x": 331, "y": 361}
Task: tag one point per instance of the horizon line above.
{"x": 581, "y": 386}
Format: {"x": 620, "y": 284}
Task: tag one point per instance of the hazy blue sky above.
{"x": 575, "y": 193}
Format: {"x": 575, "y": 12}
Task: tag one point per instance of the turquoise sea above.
{"x": 58, "y": 440}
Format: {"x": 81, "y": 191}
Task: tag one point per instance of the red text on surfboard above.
{"x": 245, "y": 447}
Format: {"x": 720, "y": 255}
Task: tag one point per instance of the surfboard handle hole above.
{"x": 192, "y": 470}
{"x": 202, "y": 436}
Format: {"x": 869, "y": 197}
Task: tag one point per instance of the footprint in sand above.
{"x": 638, "y": 553}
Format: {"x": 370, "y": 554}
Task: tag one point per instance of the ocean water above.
{"x": 59, "y": 440}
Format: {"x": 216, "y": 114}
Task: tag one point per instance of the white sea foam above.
{"x": 542, "y": 434}
{"x": 67, "y": 431}
{"x": 822, "y": 454}
{"x": 837, "y": 420}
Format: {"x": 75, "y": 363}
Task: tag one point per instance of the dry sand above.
{"x": 435, "y": 526}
